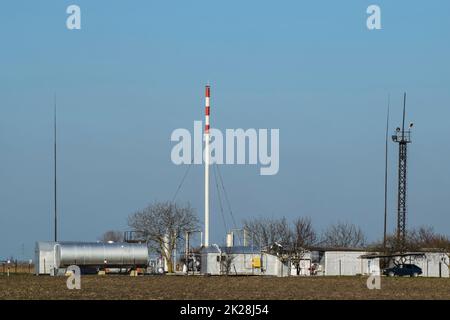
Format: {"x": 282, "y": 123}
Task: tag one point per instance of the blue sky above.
{"x": 135, "y": 72}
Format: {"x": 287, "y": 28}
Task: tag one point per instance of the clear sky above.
{"x": 136, "y": 71}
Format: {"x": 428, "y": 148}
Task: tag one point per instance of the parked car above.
{"x": 403, "y": 269}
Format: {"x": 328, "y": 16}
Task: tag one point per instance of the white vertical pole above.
{"x": 207, "y": 162}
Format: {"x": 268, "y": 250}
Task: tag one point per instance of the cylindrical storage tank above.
{"x": 230, "y": 240}
{"x": 108, "y": 255}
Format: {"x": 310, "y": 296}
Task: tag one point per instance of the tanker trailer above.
{"x": 94, "y": 256}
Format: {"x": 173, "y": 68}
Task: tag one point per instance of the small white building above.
{"x": 45, "y": 260}
{"x": 343, "y": 262}
{"x": 433, "y": 264}
{"x": 216, "y": 260}
{"x": 247, "y": 260}
{"x": 240, "y": 260}
{"x": 273, "y": 266}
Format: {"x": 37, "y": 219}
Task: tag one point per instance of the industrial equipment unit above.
{"x": 52, "y": 257}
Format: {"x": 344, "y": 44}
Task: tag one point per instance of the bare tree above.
{"x": 289, "y": 242}
{"x": 163, "y": 224}
{"x": 425, "y": 237}
{"x": 226, "y": 261}
{"x": 265, "y": 232}
{"x": 304, "y": 234}
{"x": 416, "y": 240}
{"x": 343, "y": 235}
{"x": 304, "y": 237}
{"x": 112, "y": 235}
{"x": 393, "y": 246}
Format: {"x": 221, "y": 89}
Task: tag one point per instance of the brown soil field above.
{"x": 232, "y": 288}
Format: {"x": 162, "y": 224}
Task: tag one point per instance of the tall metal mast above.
{"x": 402, "y": 137}
{"x": 54, "y": 155}
{"x": 386, "y": 174}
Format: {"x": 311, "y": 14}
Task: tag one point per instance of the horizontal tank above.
{"x": 107, "y": 255}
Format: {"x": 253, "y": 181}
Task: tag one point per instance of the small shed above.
{"x": 433, "y": 264}
{"x": 344, "y": 262}
{"x": 272, "y": 266}
{"x": 241, "y": 260}
{"x": 45, "y": 260}
{"x": 238, "y": 260}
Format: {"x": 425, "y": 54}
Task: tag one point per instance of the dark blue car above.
{"x": 403, "y": 270}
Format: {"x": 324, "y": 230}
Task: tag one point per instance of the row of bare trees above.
{"x": 290, "y": 241}
{"x": 301, "y": 233}
{"x": 417, "y": 239}
{"x": 159, "y": 220}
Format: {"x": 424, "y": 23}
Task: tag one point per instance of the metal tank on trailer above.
{"x": 102, "y": 255}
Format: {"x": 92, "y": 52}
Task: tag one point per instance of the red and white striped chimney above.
{"x": 207, "y": 96}
{"x": 207, "y": 162}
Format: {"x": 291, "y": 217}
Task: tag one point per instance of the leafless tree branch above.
{"x": 343, "y": 235}
{"x": 163, "y": 224}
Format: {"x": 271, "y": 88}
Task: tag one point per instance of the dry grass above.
{"x": 16, "y": 268}
{"x": 198, "y": 287}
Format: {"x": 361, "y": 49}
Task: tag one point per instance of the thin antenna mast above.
{"x": 404, "y": 115}
{"x": 386, "y": 173}
{"x": 54, "y": 155}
